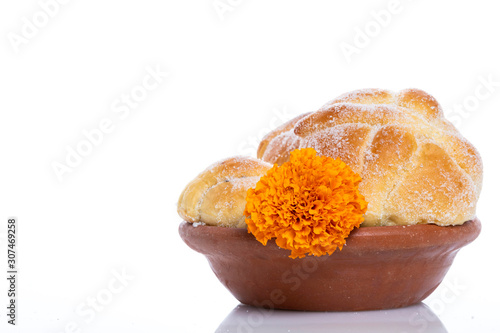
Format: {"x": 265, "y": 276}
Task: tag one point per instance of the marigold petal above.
{"x": 309, "y": 204}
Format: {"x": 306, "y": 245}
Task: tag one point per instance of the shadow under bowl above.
{"x": 378, "y": 268}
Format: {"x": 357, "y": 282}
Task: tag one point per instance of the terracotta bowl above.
{"x": 379, "y": 268}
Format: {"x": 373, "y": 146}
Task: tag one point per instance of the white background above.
{"x": 233, "y": 75}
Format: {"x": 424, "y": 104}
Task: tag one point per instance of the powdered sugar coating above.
{"x": 416, "y": 167}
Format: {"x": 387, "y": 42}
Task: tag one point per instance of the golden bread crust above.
{"x": 416, "y": 167}
{"x": 275, "y": 146}
{"x": 217, "y": 195}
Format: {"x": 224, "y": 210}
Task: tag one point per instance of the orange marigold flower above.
{"x": 310, "y": 204}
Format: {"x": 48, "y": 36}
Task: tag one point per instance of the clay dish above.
{"x": 379, "y": 268}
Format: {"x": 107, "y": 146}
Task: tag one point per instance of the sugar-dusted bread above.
{"x": 217, "y": 195}
{"x": 276, "y": 146}
{"x": 416, "y": 167}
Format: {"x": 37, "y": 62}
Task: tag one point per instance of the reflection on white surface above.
{"x": 247, "y": 319}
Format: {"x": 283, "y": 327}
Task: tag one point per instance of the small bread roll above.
{"x": 217, "y": 196}
{"x": 415, "y": 165}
